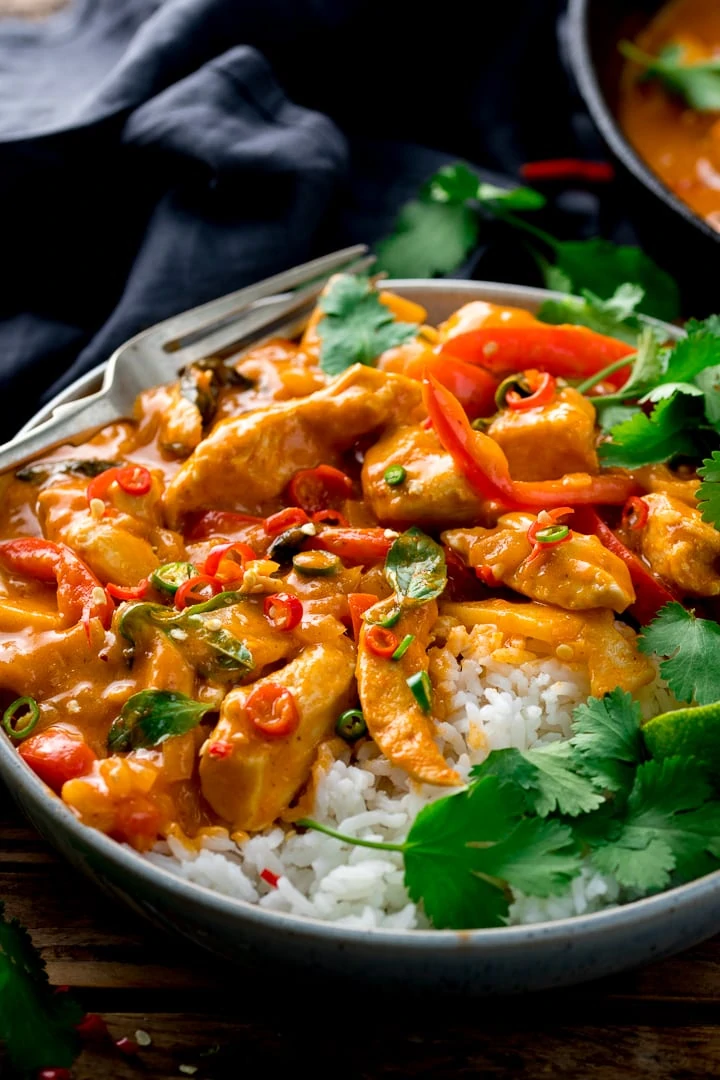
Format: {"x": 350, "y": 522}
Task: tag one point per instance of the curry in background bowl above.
{"x": 669, "y": 102}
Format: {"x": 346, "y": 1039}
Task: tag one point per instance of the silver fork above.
{"x": 222, "y": 327}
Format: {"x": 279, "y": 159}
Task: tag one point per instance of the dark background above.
{"x": 151, "y": 159}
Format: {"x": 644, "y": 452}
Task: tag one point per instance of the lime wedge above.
{"x": 691, "y": 732}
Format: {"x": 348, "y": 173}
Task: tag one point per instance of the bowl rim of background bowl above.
{"x": 636, "y": 914}
{"x": 579, "y": 55}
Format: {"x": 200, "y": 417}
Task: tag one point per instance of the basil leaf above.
{"x": 152, "y": 716}
{"x": 230, "y": 652}
{"x": 415, "y": 567}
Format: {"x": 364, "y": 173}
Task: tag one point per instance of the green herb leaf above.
{"x": 708, "y": 382}
{"x": 601, "y": 266}
{"x": 356, "y": 327}
{"x": 37, "y": 1026}
{"x": 549, "y": 776}
{"x": 462, "y": 848}
{"x": 647, "y": 440}
{"x": 708, "y": 494}
{"x": 152, "y": 716}
{"x": 617, "y": 317}
{"x": 519, "y": 198}
{"x": 415, "y": 567}
{"x": 607, "y": 739}
{"x": 42, "y": 471}
{"x": 697, "y": 84}
{"x": 668, "y": 825}
{"x": 688, "y": 643}
{"x": 454, "y": 183}
{"x": 429, "y": 238}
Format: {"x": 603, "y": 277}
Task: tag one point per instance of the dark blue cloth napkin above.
{"x": 154, "y": 155}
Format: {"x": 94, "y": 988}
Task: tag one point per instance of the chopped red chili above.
{"x": 487, "y": 577}
{"x": 196, "y": 590}
{"x": 380, "y": 641}
{"x": 331, "y": 518}
{"x": 542, "y": 386}
{"x": 221, "y": 556}
{"x": 54, "y": 1074}
{"x": 317, "y": 489}
{"x": 129, "y": 592}
{"x": 635, "y": 513}
{"x": 285, "y": 519}
{"x": 272, "y": 709}
{"x": 283, "y": 611}
{"x": 544, "y": 534}
{"x": 270, "y": 878}
{"x": 133, "y": 479}
{"x": 598, "y": 172}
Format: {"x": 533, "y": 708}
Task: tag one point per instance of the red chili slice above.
{"x": 331, "y": 518}
{"x": 189, "y": 592}
{"x": 596, "y": 172}
{"x": 285, "y": 519}
{"x": 635, "y": 513}
{"x": 222, "y": 554}
{"x": 128, "y": 592}
{"x": 272, "y": 709}
{"x": 380, "y": 641}
{"x": 133, "y": 479}
{"x": 317, "y": 489}
{"x": 270, "y": 878}
{"x": 283, "y": 611}
{"x": 543, "y": 386}
{"x": 544, "y": 543}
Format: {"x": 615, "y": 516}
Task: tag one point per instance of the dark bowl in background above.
{"x": 681, "y": 241}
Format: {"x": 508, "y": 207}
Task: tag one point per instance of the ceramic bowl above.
{"x": 505, "y": 960}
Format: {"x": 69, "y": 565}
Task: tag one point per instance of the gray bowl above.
{"x": 506, "y": 960}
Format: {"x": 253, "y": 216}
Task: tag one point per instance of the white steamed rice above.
{"x": 491, "y": 700}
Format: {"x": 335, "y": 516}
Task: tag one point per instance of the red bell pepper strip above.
{"x": 484, "y": 465}
{"x": 472, "y": 386}
{"x": 57, "y": 754}
{"x": 354, "y": 545}
{"x": 80, "y": 596}
{"x": 651, "y": 593}
{"x": 597, "y": 172}
{"x": 571, "y": 352}
{"x": 358, "y": 603}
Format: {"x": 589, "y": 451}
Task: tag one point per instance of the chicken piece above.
{"x": 251, "y": 786}
{"x": 590, "y": 637}
{"x": 659, "y": 479}
{"x": 549, "y": 441}
{"x": 119, "y": 548}
{"x": 181, "y": 425}
{"x": 246, "y": 462}
{"x": 681, "y": 548}
{"x": 394, "y": 718}
{"x": 577, "y": 575}
{"x": 433, "y": 490}
{"x": 277, "y": 371}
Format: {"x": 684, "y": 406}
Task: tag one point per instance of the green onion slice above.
{"x": 170, "y": 577}
{"x": 351, "y": 725}
{"x": 421, "y": 687}
{"x": 394, "y": 475}
{"x": 316, "y": 563}
{"x": 403, "y": 647}
{"x": 553, "y": 534}
{"x": 22, "y": 730}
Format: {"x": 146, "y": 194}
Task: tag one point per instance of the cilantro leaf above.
{"x": 461, "y": 849}
{"x": 616, "y": 317}
{"x": 690, "y": 355}
{"x": 549, "y": 776}
{"x": 708, "y": 382}
{"x": 648, "y": 365}
{"x": 36, "y": 1025}
{"x": 429, "y": 238}
{"x": 415, "y": 567}
{"x": 607, "y": 740}
{"x": 601, "y": 266}
{"x": 698, "y": 84}
{"x": 647, "y": 440}
{"x": 708, "y": 494}
{"x": 519, "y": 198}
{"x": 688, "y": 643}
{"x": 668, "y": 825}
{"x": 614, "y": 415}
{"x": 357, "y": 327}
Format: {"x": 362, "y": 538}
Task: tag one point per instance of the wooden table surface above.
{"x": 662, "y": 1021}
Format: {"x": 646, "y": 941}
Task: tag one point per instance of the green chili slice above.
{"x": 394, "y": 475}
{"x": 21, "y": 732}
{"x": 553, "y": 534}
{"x": 170, "y": 577}
{"x": 421, "y": 687}
{"x": 513, "y": 382}
{"x": 316, "y": 563}
{"x": 351, "y": 725}
{"x": 403, "y": 647}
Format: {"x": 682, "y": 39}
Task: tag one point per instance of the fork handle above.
{"x": 71, "y": 423}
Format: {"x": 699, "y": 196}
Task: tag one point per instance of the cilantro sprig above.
{"x": 688, "y": 644}
{"x": 37, "y": 1026}
{"x": 708, "y": 494}
{"x": 435, "y": 232}
{"x": 698, "y": 84}
{"x": 356, "y": 326}
{"x": 529, "y": 819}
